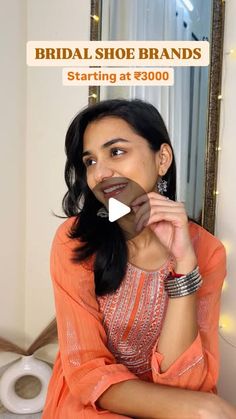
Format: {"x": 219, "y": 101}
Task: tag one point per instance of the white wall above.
{"x": 32, "y": 158}
{"x": 50, "y": 108}
{"x": 12, "y": 170}
{"x": 226, "y": 207}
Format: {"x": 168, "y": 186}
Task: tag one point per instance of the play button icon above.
{"x": 117, "y": 209}
{"x": 116, "y": 196}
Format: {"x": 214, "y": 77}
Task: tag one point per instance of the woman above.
{"x": 137, "y": 300}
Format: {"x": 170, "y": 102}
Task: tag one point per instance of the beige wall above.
{"x": 226, "y": 207}
{"x": 50, "y": 107}
{"x": 12, "y": 170}
{"x": 32, "y": 158}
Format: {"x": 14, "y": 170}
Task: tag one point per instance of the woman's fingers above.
{"x": 144, "y": 213}
{"x": 154, "y": 197}
{"x": 146, "y": 197}
{"x": 147, "y": 204}
{"x": 153, "y": 207}
{"x": 176, "y": 216}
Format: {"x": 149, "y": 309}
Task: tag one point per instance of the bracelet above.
{"x": 182, "y": 285}
{"x": 173, "y": 281}
{"x": 185, "y": 292}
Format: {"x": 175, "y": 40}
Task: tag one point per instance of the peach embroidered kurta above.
{"x": 109, "y": 339}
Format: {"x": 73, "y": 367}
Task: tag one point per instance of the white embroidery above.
{"x": 201, "y": 358}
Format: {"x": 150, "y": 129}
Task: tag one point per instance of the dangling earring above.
{"x": 162, "y": 186}
{"x": 102, "y": 212}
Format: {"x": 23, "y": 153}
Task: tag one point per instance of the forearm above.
{"x": 180, "y": 324}
{"x": 179, "y": 329}
{"x": 141, "y": 399}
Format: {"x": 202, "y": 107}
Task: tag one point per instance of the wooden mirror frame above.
{"x": 214, "y": 100}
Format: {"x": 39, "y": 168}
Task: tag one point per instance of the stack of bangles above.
{"x": 177, "y": 285}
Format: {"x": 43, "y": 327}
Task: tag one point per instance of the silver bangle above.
{"x": 183, "y": 293}
{"x": 184, "y": 285}
{"x": 181, "y": 282}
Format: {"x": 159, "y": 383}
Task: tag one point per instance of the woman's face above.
{"x": 119, "y": 161}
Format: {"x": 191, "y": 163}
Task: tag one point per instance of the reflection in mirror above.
{"x": 184, "y": 105}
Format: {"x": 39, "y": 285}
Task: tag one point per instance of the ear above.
{"x": 164, "y": 159}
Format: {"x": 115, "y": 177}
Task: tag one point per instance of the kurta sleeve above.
{"x": 89, "y": 368}
{"x": 198, "y": 367}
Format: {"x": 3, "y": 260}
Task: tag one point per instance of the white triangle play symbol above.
{"x": 117, "y": 209}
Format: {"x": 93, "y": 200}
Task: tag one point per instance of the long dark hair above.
{"x": 97, "y": 236}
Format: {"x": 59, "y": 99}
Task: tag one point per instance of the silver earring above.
{"x": 102, "y": 212}
{"x": 162, "y": 186}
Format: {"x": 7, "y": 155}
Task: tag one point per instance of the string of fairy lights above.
{"x": 96, "y": 19}
{"x": 226, "y": 322}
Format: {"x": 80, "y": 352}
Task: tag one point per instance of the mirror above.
{"x": 191, "y": 107}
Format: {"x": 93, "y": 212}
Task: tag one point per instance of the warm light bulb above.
{"x": 225, "y": 286}
{"x": 233, "y": 53}
{"x": 93, "y": 95}
{"x": 226, "y": 323}
{"x": 95, "y": 17}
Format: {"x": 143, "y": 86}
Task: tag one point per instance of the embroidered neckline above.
{"x": 168, "y": 261}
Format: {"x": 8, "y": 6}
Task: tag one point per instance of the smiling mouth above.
{"x": 114, "y": 190}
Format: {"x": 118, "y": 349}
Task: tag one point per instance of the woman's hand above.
{"x": 168, "y": 220}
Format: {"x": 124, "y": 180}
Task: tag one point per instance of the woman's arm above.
{"x": 179, "y": 327}
{"x": 169, "y": 222}
{"x": 180, "y": 324}
{"x": 145, "y": 400}
{"x": 197, "y": 368}
{"x": 137, "y": 398}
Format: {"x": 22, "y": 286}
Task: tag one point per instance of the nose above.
{"x": 101, "y": 172}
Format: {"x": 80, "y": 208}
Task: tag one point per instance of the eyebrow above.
{"x": 105, "y": 145}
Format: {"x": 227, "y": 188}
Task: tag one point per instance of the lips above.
{"x": 112, "y": 190}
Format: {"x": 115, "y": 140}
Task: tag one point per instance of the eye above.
{"x": 87, "y": 162}
{"x": 117, "y": 151}
{"x": 114, "y": 152}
